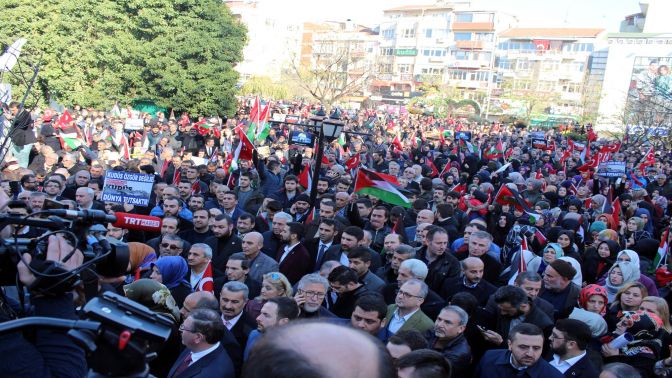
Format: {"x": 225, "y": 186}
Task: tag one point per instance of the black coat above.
{"x": 583, "y": 368}
{"x": 441, "y": 269}
{"x": 241, "y": 330}
{"x": 222, "y": 248}
{"x": 22, "y": 133}
{"x": 457, "y": 351}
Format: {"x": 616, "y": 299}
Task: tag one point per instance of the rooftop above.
{"x": 419, "y": 8}
{"x": 552, "y": 32}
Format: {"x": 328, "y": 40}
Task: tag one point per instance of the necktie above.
{"x": 227, "y": 324}
{"x": 183, "y": 366}
{"x": 320, "y": 254}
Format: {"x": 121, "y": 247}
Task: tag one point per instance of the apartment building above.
{"x": 444, "y": 43}
{"x": 553, "y": 63}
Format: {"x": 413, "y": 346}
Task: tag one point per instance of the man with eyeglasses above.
{"x": 310, "y": 293}
{"x": 569, "y": 340}
{"x": 53, "y": 190}
{"x": 171, "y": 245}
{"x": 203, "y": 356}
{"x": 405, "y": 314}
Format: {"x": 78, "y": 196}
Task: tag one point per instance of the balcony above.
{"x": 470, "y": 64}
{"x": 473, "y": 26}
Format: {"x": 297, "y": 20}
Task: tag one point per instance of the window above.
{"x": 571, "y": 87}
{"x": 545, "y": 86}
{"x": 522, "y": 64}
{"x": 484, "y": 37}
{"x": 464, "y": 17}
{"x": 408, "y": 33}
{"x": 521, "y": 84}
{"x": 428, "y": 33}
{"x": 431, "y": 71}
{"x": 461, "y": 36}
{"x": 479, "y": 76}
{"x": 385, "y": 68}
{"x": 388, "y": 34}
{"x": 404, "y": 68}
{"x": 458, "y": 74}
{"x": 385, "y": 51}
{"x": 460, "y": 55}
{"x": 504, "y": 63}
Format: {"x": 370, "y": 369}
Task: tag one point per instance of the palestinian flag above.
{"x": 508, "y": 196}
{"x": 259, "y": 127}
{"x": 255, "y": 114}
{"x": 522, "y": 266}
{"x": 495, "y": 152}
{"x": 382, "y": 186}
{"x": 73, "y": 143}
{"x": 532, "y": 217}
{"x": 662, "y": 249}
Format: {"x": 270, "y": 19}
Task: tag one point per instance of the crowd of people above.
{"x": 512, "y": 256}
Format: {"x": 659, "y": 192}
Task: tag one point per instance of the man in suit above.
{"x": 569, "y": 340}
{"x": 223, "y": 242}
{"x": 471, "y": 281}
{"x": 323, "y": 248}
{"x": 232, "y": 301}
{"x": 525, "y": 345}
{"x": 405, "y": 313}
{"x": 293, "y": 258}
{"x": 273, "y": 238}
{"x": 479, "y": 244}
{"x": 203, "y": 355}
{"x": 85, "y": 201}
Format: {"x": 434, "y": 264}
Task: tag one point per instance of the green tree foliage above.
{"x": 178, "y": 53}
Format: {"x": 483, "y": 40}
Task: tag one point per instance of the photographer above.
{"x": 46, "y": 353}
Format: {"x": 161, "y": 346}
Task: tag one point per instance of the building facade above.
{"x": 548, "y": 65}
{"x": 636, "y": 85}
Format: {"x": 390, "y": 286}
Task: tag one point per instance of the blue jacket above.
{"x": 496, "y": 363}
{"x": 214, "y": 364}
{"x": 270, "y": 182}
{"x": 185, "y": 213}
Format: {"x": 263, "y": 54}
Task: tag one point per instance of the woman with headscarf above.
{"x": 646, "y": 216}
{"x": 141, "y": 257}
{"x": 628, "y": 255}
{"x": 591, "y": 310}
{"x": 171, "y": 272}
{"x": 578, "y": 277}
{"x": 157, "y": 298}
{"x": 565, "y": 240}
{"x": 500, "y": 225}
{"x": 609, "y": 220}
{"x": 552, "y": 252}
{"x": 618, "y": 276}
{"x": 634, "y": 231}
{"x": 597, "y": 261}
{"x": 642, "y": 352}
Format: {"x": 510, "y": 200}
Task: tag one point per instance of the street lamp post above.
{"x": 329, "y": 129}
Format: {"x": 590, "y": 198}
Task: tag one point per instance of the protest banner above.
{"x": 611, "y": 169}
{"x": 127, "y": 187}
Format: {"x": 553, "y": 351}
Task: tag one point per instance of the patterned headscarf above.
{"x": 591, "y": 290}
{"x": 645, "y": 327}
{"x": 154, "y": 296}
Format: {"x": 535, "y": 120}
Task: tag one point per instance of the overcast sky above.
{"x": 605, "y": 14}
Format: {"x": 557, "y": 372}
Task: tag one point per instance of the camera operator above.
{"x": 47, "y": 353}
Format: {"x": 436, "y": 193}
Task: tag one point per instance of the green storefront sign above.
{"x": 406, "y": 52}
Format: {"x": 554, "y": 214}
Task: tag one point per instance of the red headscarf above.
{"x": 591, "y": 290}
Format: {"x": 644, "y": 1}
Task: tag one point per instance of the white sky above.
{"x": 605, "y": 14}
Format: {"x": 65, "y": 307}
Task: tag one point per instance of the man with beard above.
{"x": 378, "y": 227}
{"x": 232, "y": 301}
{"x": 514, "y": 307}
{"x": 471, "y": 282}
{"x": 441, "y": 263}
{"x": 276, "y": 312}
{"x": 244, "y": 224}
{"x": 523, "y": 357}
{"x": 400, "y": 254}
{"x": 293, "y": 258}
{"x": 310, "y": 293}
{"x": 448, "y": 338}
{"x": 223, "y": 242}
{"x": 569, "y": 340}
{"x": 324, "y": 248}
{"x": 300, "y": 208}
{"x": 479, "y": 245}
{"x": 201, "y": 230}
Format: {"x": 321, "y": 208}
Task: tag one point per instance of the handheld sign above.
{"x": 611, "y": 169}
{"x": 127, "y": 187}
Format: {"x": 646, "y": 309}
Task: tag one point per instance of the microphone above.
{"x": 94, "y": 216}
{"x": 137, "y": 222}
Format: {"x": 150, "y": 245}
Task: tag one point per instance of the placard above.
{"x": 302, "y": 138}
{"x": 264, "y": 151}
{"x": 134, "y": 124}
{"x": 127, "y": 187}
{"x": 611, "y": 169}
{"x": 463, "y": 135}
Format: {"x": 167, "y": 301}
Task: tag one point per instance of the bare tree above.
{"x": 647, "y": 119}
{"x": 333, "y": 72}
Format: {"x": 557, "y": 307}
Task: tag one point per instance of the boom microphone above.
{"x": 95, "y": 216}
{"x": 137, "y": 222}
